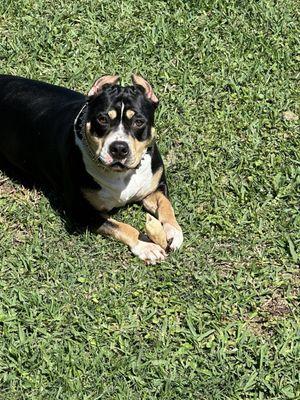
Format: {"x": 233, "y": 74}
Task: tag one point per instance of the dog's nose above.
{"x": 119, "y": 150}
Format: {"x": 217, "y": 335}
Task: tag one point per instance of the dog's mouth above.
{"x": 115, "y": 165}
{"x": 123, "y": 165}
{"x": 118, "y": 166}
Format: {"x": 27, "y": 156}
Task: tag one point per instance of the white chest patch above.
{"x": 119, "y": 188}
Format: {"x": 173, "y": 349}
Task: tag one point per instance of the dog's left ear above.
{"x": 138, "y": 80}
{"x": 97, "y": 87}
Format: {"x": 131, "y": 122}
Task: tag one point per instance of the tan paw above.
{"x": 149, "y": 252}
{"x": 174, "y": 235}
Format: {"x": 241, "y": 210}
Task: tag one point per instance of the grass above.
{"x": 80, "y": 318}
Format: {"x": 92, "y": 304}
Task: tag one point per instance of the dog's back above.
{"x": 29, "y": 115}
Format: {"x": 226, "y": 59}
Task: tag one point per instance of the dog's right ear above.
{"x": 97, "y": 87}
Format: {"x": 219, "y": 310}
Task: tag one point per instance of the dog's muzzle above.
{"x": 116, "y": 156}
{"x": 118, "y": 150}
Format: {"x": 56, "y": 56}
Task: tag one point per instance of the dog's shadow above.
{"x": 18, "y": 178}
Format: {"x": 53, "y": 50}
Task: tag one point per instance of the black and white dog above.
{"x": 97, "y": 151}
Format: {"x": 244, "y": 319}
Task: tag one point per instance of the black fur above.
{"x": 37, "y": 134}
{"x": 132, "y": 97}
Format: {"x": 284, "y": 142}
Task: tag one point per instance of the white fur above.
{"x": 116, "y": 135}
{"x": 122, "y": 110}
{"x": 174, "y": 235}
{"x": 149, "y": 252}
{"x": 119, "y": 188}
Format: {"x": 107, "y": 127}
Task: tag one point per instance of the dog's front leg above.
{"x": 146, "y": 251}
{"x": 158, "y": 204}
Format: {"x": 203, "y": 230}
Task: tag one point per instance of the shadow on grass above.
{"x": 17, "y": 177}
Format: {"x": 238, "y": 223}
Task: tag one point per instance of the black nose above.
{"x": 119, "y": 150}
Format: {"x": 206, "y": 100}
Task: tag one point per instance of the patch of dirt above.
{"x": 273, "y": 308}
{"x": 227, "y": 268}
{"x": 170, "y": 158}
{"x": 276, "y": 306}
{"x": 258, "y": 326}
{"x": 290, "y": 116}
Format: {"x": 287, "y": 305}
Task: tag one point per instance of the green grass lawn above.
{"x": 80, "y": 317}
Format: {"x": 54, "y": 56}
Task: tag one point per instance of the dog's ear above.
{"x": 97, "y": 87}
{"x": 140, "y": 81}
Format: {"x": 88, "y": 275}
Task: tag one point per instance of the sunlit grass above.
{"x": 80, "y": 318}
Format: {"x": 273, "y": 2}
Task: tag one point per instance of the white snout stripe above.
{"x": 118, "y": 134}
{"x": 122, "y": 110}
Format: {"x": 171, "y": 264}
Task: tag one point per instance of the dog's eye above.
{"x": 138, "y": 123}
{"x": 102, "y": 120}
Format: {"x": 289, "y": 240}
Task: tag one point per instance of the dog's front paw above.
{"x": 174, "y": 235}
{"x": 149, "y": 252}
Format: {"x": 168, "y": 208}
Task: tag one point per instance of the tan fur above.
{"x": 94, "y": 142}
{"x": 150, "y": 203}
{"x": 120, "y": 231}
{"x": 139, "y": 80}
{"x": 99, "y": 83}
{"x": 112, "y": 113}
{"x": 130, "y": 114}
{"x": 155, "y": 231}
{"x": 156, "y": 179}
{"x": 93, "y": 198}
{"x": 140, "y": 147}
{"x": 158, "y": 204}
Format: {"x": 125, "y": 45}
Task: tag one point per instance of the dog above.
{"x": 97, "y": 151}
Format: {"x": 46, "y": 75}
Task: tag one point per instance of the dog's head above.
{"x": 119, "y": 125}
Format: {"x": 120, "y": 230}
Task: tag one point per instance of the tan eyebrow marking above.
{"x": 130, "y": 114}
{"x": 112, "y": 113}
